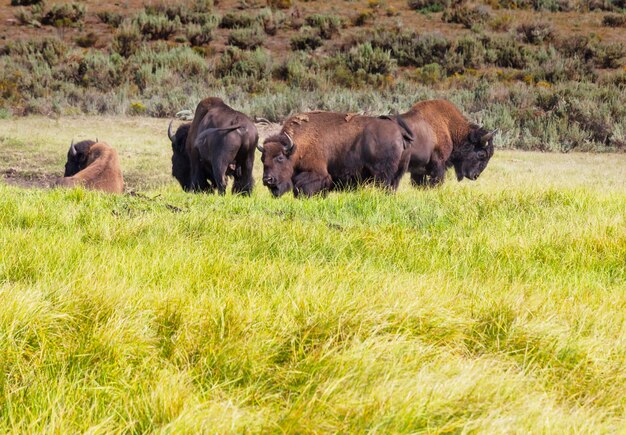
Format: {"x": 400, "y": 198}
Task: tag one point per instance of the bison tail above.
{"x": 407, "y": 133}
{"x": 225, "y": 130}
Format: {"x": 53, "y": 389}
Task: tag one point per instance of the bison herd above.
{"x": 314, "y": 152}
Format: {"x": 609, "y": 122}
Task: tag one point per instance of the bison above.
{"x": 219, "y": 142}
{"x": 93, "y": 165}
{"x": 444, "y": 138}
{"x": 319, "y": 151}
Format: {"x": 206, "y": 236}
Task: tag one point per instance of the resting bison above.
{"x": 219, "y": 142}
{"x": 93, "y": 165}
{"x": 444, "y": 138}
{"x": 318, "y": 151}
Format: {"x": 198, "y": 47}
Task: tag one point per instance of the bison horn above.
{"x": 73, "y": 149}
{"x": 259, "y": 147}
{"x": 290, "y": 146}
{"x": 487, "y": 137}
{"x": 169, "y": 131}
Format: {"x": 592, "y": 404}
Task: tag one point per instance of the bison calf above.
{"x": 93, "y": 165}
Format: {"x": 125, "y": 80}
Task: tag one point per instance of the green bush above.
{"x": 609, "y": 55}
{"x": 272, "y": 20}
{"x": 299, "y": 71}
{"x": 234, "y": 62}
{"x": 308, "y": 39}
{"x": 280, "y": 4}
{"x": 430, "y": 74}
{"x": 328, "y": 25}
{"x": 535, "y": 33}
{"x": 113, "y": 19}
{"x": 25, "y": 2}
{"x": 247, "y": 39}
{"x": 155, "y": 27}
{"x": 199, "y": 35}
{"x": 410, "y": 48}
{"x": 88, "y": 40}
{"x": 614, "y": 20}
{"x": 127, "y": 40}
{"x": 426, "y": 6}
{"x": 234, "y": 20}
{"x": 467, "y": 16}
{"x": 64, "y": 15}
{"x": 371, "y": 60}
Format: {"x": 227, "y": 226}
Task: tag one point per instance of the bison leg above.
{"x": 402, "y": 168}
{"x": 197, "y": 177}
{"x": 219, "y": 175}
{"x": 311, "y": 183}
{"x": 244, "y": 182}
{"x": 437, "y": 172}
{"x": 418, "y": 179}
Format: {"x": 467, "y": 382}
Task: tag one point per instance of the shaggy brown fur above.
{"x": 334, "y": 150}
{"x": 94, "y": 166}
{"x": 443, "y": 138}
{"x": 218, "y": 138}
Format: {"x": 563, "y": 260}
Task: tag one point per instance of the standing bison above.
{"x": 318, "y": 151}
{"x": 219, "y": 142}
{"x": 93, "y": 165}
{"x": 444, "y": 138}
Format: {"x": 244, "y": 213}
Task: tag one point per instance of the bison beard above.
{"x": 93, "y": 165}
{"x": 319, "y": 151}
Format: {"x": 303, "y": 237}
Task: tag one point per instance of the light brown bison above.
{"x": 219, "y": 142}
{"x": 93, "y": 165}
{"x": 319, "y": 151}
{"x": 444, "y": 138}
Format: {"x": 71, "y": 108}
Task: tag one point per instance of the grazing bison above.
{"x": 93, "y": 165}
{"x": 318, "y": 151}
{"x": 219, "y": 142}
{"x": 444, "y": 138}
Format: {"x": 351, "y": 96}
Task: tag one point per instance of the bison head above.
{"x": 77, "y": 157}
{"x": 277, "y": 157}
{"x": 473, "y": 155}
{"x": 181, "y": 167}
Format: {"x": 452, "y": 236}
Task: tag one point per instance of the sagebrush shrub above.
{"x": 308, "y": 39}
{"x": 113, "y": 19}
{"x": 247, "y": 39}
{"x": 234, "y": 62}
{"x": 64, "y": 15}
{"x": 234, "y": 20}
{"x": 614, "y": 20}
{"x": 328, "y": 25}
{"x": 467, "y": 16}
{"x": 536, "y": 32}
{"x": 88, "y": 40}
{"x": 428, "y": 5}
{"x": 155, "y": 27}
{"x": 127, "y": 40}
{"x": 199, "y": 35}
{"x": 25, "y": 2}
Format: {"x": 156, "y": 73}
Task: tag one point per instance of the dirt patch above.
{"x": 15, "y": 177}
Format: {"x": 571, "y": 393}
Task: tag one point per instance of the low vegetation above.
{"x": 549, "y": 89}
{"x": 427, "y": 310}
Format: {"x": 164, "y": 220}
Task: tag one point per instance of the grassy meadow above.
{"x": 495, "y": 306}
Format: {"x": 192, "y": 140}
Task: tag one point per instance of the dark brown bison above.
{"x": 219, "y": 142}
{"x": 93, "y": 165}
{"x": 444, "y": 138}
{"x": 319, "y": 151}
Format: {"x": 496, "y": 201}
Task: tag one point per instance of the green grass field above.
{"x": 493, "y": 306}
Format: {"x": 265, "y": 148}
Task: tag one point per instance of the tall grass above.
{"x": 495, "y": 306}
